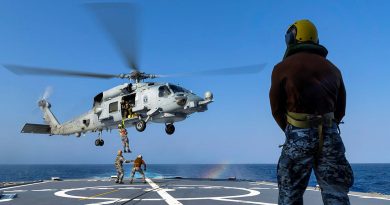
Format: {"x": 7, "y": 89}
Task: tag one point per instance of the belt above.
{"x": 303, "y": 120}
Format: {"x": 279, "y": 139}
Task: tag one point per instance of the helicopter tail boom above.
{"x": 48, "y": 116}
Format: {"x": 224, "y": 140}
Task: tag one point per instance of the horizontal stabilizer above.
{"x": 36, "y": 129}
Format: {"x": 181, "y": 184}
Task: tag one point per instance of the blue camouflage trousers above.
{"x": 300, "y": 154}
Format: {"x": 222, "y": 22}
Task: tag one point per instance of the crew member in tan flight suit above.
{"x": 137, "y": 168}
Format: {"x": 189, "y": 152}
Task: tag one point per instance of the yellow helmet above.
{"x": 302, "y": 31}
{"x": 119, "y": 152}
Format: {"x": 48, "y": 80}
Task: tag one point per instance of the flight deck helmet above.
{"x": 119, "y": 152}
{"x": 302, "y": 31}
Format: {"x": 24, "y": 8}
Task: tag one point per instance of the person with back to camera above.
{"x": 308, "y": 101}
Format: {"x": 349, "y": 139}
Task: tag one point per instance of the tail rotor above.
{"x": 42, "y": 101}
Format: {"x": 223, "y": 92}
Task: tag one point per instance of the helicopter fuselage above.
{"x": 131, "y": 104}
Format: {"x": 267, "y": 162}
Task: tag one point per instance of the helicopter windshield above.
{"x": 163, "y": 91}
{"x": 178, "y": 89}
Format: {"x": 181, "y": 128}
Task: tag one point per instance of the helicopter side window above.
{"x": 113, "y": 107}
{"x": 163, "y": 91}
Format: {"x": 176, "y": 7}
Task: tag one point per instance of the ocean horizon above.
{"x": 369, "y": 177}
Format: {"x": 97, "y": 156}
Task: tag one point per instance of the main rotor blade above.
{"x": 26, "y": 70}
{"x": 120, "y": 22}
{"x": 250, "y": 69}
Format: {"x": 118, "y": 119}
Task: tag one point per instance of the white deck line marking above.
{"x": 263, "y": 183}
{"x": 184, "y": 187}
{"x": 128, "y": 188}
{"x": 5, "y": 200}
{"x": 45, "y": 190}
{"x": 10, "y": 191}
{"x": 104, "y": 188}
{"x": 167, "y": 197}
{"x": 369, "y": 197}
{"x": 246, "y": 202}
{"x": 260, "y": 188}
{"x": 211, "y": 187}
{"x": 23, "y": 185}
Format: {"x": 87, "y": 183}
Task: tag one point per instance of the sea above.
{"x": 370, "y": 178}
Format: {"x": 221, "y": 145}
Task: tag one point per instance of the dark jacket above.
{"x": 306, "y": 82}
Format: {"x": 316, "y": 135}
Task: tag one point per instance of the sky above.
{"x": 187, "y": 36}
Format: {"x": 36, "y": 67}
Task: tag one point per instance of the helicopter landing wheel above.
{"x": 169, "y": 129}
{"x": 140, "y": 126}
{"x": 99, "y": 142}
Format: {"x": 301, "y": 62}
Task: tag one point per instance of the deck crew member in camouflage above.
{"x": 137, "y": 168}
{"x": 119, "y": 167}
{"x": 124, "y": 138}
{"x": 308, "y": 100}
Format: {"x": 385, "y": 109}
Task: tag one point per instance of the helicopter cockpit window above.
{"x": 97, "y": 99}
{"x": 113, "y": 107}
{"x": 163, "y": 91}
{"x": 178, "y": 89}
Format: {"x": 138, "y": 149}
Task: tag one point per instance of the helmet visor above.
{"x": 290, "y": 35}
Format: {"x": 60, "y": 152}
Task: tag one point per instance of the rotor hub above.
{"x": 137, "y": 76}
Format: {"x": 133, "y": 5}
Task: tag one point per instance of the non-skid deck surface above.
{"x": 162, "y": 191}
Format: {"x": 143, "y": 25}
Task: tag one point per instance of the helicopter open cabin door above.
{"x": 127, "y": 105}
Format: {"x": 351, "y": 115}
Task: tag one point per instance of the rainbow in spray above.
{"x": 216, "y": 172}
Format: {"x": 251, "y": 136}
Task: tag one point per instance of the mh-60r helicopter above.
{"x": 132, "y": 104}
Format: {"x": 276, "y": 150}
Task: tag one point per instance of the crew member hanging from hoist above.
{"x": 124, "y": 138}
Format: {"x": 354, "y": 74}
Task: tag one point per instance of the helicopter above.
{"x": 135, "y": 103}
